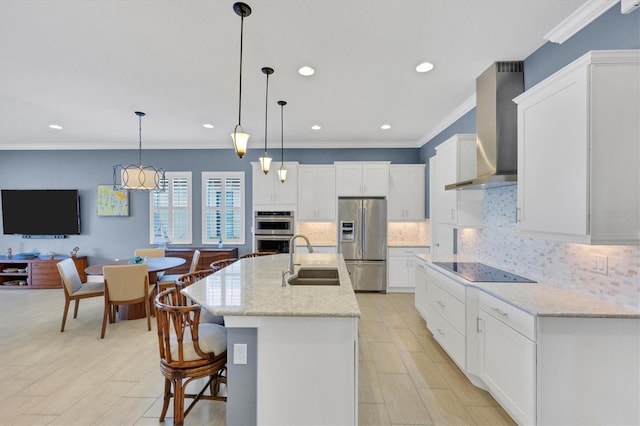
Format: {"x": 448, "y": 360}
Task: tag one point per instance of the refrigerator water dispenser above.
{"x": 347, "y": 231}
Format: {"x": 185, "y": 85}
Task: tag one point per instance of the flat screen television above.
{"x": 41, "y": 211}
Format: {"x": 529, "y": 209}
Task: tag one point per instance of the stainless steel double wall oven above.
{"x": 272, "y": 230}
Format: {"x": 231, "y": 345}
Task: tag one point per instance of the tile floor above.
{"x": 75, "y": 378}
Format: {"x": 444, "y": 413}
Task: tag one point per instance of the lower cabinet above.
{"x": 568, "y": 370}
{"x": 507, "y": 359}
{"x": 401, "y": 267}
{"x": 421, "y": 297}
{"x": 446, "y": 315}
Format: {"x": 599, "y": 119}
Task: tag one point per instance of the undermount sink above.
{"x": 315, "y": 276}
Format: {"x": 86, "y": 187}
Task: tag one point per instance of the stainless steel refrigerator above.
{"x": 362, "y": 240}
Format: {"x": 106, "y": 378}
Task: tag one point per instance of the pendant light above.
{"x": 240, "y": 138}
{"x": 137, "y": 176}
{"x": 265, "y": 161}
{"x": 282, "y": 172}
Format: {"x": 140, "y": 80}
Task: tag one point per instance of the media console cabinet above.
{"x": 38, "y": 272}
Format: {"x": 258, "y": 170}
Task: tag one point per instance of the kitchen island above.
{"x": 292, "y": 350}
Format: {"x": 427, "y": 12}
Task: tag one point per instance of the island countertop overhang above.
{"x": 253, "y": 287}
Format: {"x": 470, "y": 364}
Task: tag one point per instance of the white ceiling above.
{"x": 88, "y": 65}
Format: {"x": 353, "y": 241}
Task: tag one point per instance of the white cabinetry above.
{"x": 401, "y": 263}
{"x": 421, "y": 297}
{"x": 406, "y": 192}
{"x": 507, "y": 357}
{"x": 578, "y": 151}
{"x": 316, "y": 193}
{"x": 271, "y": 194}
{"x": 446, "y": 315}
{"x": 456, "y": 161}
{"x": 354, "y": 179}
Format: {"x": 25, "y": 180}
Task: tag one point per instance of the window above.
{"x": 170, "y": 210}
{"x": 223, "y": 207}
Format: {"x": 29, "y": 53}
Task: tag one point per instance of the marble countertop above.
{"x": 540, "y": 299}
{"x": 252, "y": 287}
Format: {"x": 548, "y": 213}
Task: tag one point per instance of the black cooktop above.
{"x": 479, "y": 272}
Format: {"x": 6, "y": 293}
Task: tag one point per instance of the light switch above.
{"x": 599, "y": 264}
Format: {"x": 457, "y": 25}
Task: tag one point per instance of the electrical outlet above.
{"x": 240, "y": 353}
{"x": 599, "y": 264}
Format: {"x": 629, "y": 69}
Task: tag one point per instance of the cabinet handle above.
{"x": 478, "y": 322}
{"x": 440, "y": 332}
{"x": 442, "y": 305}
{"x": 453, "y": 213}
{"x": 518, "y": 214}
{"x": 501, "y": 312}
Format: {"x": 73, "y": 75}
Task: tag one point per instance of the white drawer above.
{"x": 451, "y": 309}
{"x": 519, "y": 320}
{"x": 450, "y": 340}
{"x": 449, "y": 284}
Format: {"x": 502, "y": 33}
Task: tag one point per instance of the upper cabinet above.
{"x": 271, "y": 194}
{"x": 578, "y": 152}
{"x": 355, "y": 179}
{"x": 316, "y": 193}
{"x": 456, "y": 161}
{"x": 406, "y": 192}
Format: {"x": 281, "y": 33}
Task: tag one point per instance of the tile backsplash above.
{"x": 560, "y": 264}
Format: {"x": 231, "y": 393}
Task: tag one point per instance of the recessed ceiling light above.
{"x": 55, "y": 126}
{"x": 207, "y": 126}
{"x": 424, "y": 67}
{"x": 306, "y": 71}
{"x": 316, "y": 127}
{"x": 385, "y": 126}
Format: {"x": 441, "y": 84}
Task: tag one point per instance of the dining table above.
{"x": 155, "y": 265}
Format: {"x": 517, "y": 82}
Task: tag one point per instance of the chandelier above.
{"x": 138, "y": 176}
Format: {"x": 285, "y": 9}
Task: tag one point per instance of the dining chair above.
{"x": 257, "y": 253}
{"x": 150, "y": 252}
{"x": 74, "y": 289}
{"x": 169, "y": 280}
{"x": 185, "y": 281}
{"x": 189, "y": 350}
{"x": 220, "y": 264}
{"x": 125, "y": 285}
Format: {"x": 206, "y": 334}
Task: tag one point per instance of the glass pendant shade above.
{"x": 282, "y": 173}
{"x": 265, "y": 163}
{"x": 240, "y": 141}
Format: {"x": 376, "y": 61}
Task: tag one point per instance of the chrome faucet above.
{"x": 292, "y": 249}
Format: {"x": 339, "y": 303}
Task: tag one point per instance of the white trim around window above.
{"x": 170, "y": 211}
{"x": 223, "y": 207}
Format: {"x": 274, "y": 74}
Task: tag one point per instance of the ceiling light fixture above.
{"x": 316, "y": 127}
{"x": 240, "y": 138}
{"x": 306, "y": 71}
{"x": 424, "y": 67}
{"x": 207, "y": 126}
{"x": 265, "y": 160}
{"x": 137, "y": 176}
{"x": 385, "y": 126}
{"x": 55, "y": 126}
{"x": 282, "y": 171}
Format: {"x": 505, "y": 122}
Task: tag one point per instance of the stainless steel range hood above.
{"x": 496, "y": 126}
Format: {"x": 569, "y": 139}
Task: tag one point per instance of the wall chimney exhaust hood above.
{"x": 496, "y": 126}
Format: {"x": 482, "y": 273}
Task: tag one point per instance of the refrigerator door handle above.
{"x": 359, "y": 234}
{"x": 364, "y": 230}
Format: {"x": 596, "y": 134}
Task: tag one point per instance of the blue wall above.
{"x": 611, "y": 31}
{"x": 104, "y": 238}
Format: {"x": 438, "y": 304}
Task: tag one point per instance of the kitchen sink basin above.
{"x": 315, "y": 276}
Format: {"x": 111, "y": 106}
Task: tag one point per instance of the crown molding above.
{"x": 579, "y": 19}
{"x": 464, "y": 108}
